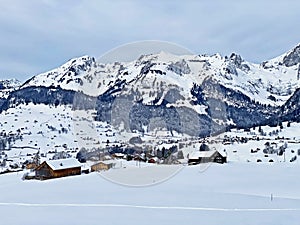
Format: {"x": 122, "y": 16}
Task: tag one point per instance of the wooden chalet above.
{"x": 58, "y": 168}
{"x": 206, "y": 157}
{"x": 31, "y": 166}
{"x": 101, "y": 166}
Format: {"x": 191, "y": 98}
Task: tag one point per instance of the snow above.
{"x": 41, "y": 125}
{"x": 140, "y": 174}
{"x": 204, "y": 154}
{"x": 119, "y": 155}
{"x": 259, "y": 83}
{"x": 244, "y": 191}
{"x": 241, "y": 152}
{"x": 238, "y": 192}
{"x": 232, "y": 193}
{"x": 61, "y": 164}
{"x": 7, "y": 86}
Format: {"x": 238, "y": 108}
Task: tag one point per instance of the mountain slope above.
{"x": 271, "y": 82}
{"x": 194, "y": 94}
{"x": 6, "y": 86}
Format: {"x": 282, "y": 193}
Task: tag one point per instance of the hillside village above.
{"x": 27, "y": 143}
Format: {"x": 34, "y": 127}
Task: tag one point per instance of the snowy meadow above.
{"x": 233, "y": 193}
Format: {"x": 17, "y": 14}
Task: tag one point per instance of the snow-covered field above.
{"x": 288, "y": 136}
{"x": 233, "y": 193}
{"x": 242, "y": 191}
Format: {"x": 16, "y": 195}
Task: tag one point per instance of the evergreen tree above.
{"x": 37, "y": 158}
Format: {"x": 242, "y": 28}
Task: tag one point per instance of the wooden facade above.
{"x": 101, "y": 166}
{"x": 47, "y": 171}
{"x": 31, "y": 166}
{"x": 206, "y": 157}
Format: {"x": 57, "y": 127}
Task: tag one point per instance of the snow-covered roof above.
{"x": 61, "y": 164}
{"x": 119, "y": 154}
{"x": 107, "y": 162}
{"x": 203, "y": 154}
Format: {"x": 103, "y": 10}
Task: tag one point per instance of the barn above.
{"x": 58, "y": 168}
{"x": 101, "y": 166}
{"x": 207, "y": 156}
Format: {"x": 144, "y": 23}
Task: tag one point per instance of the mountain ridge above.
{"x": 81, "y": 72}
{"x": 222, "y": 91}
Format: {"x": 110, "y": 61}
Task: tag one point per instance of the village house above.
{"x": 31, "y": 166}
{"x": 58, "y": 168}
{"x": 101, "y": 166}
{"x": 207, "y": 156}
{"x": 153, "y": 160}
{"x": 118, "y": 155}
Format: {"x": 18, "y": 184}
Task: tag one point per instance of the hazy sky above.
{"x": 38, "y": 35}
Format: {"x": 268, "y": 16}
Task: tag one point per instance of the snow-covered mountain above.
{"x": 271, "y": 82}
{"x": 7, "y": 86}
{"x": 218, "y": 91}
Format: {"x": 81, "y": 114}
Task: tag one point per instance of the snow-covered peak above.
{"x": 268, "y": 83}
{"x": 6, "y": 86}
{"x": 169, "y": 57}
{"x": 64, "y": 74}
{"x": 162, "y": 56}
{"x": 288, "y": 59}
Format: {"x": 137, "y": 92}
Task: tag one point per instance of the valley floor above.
{"x": 233, "y": 193}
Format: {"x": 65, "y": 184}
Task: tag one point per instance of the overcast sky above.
{"x": 39, "y": 35}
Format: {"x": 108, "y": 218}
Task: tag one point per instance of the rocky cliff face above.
{"x": 290, "y": 111}
{"x": 293, "y": 58}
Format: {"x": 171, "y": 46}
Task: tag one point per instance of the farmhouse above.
{"x": 31, "y": 166}
{"x": 58, "y": 168}
{"x": 101, "y": 166}
{"x": 207, "y": 156}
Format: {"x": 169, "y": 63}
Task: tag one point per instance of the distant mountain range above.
{"x": 194, "y": 94}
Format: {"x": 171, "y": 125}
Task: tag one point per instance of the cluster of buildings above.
{"x": 68, "y": 167}
{"x": 65, "y": 167}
